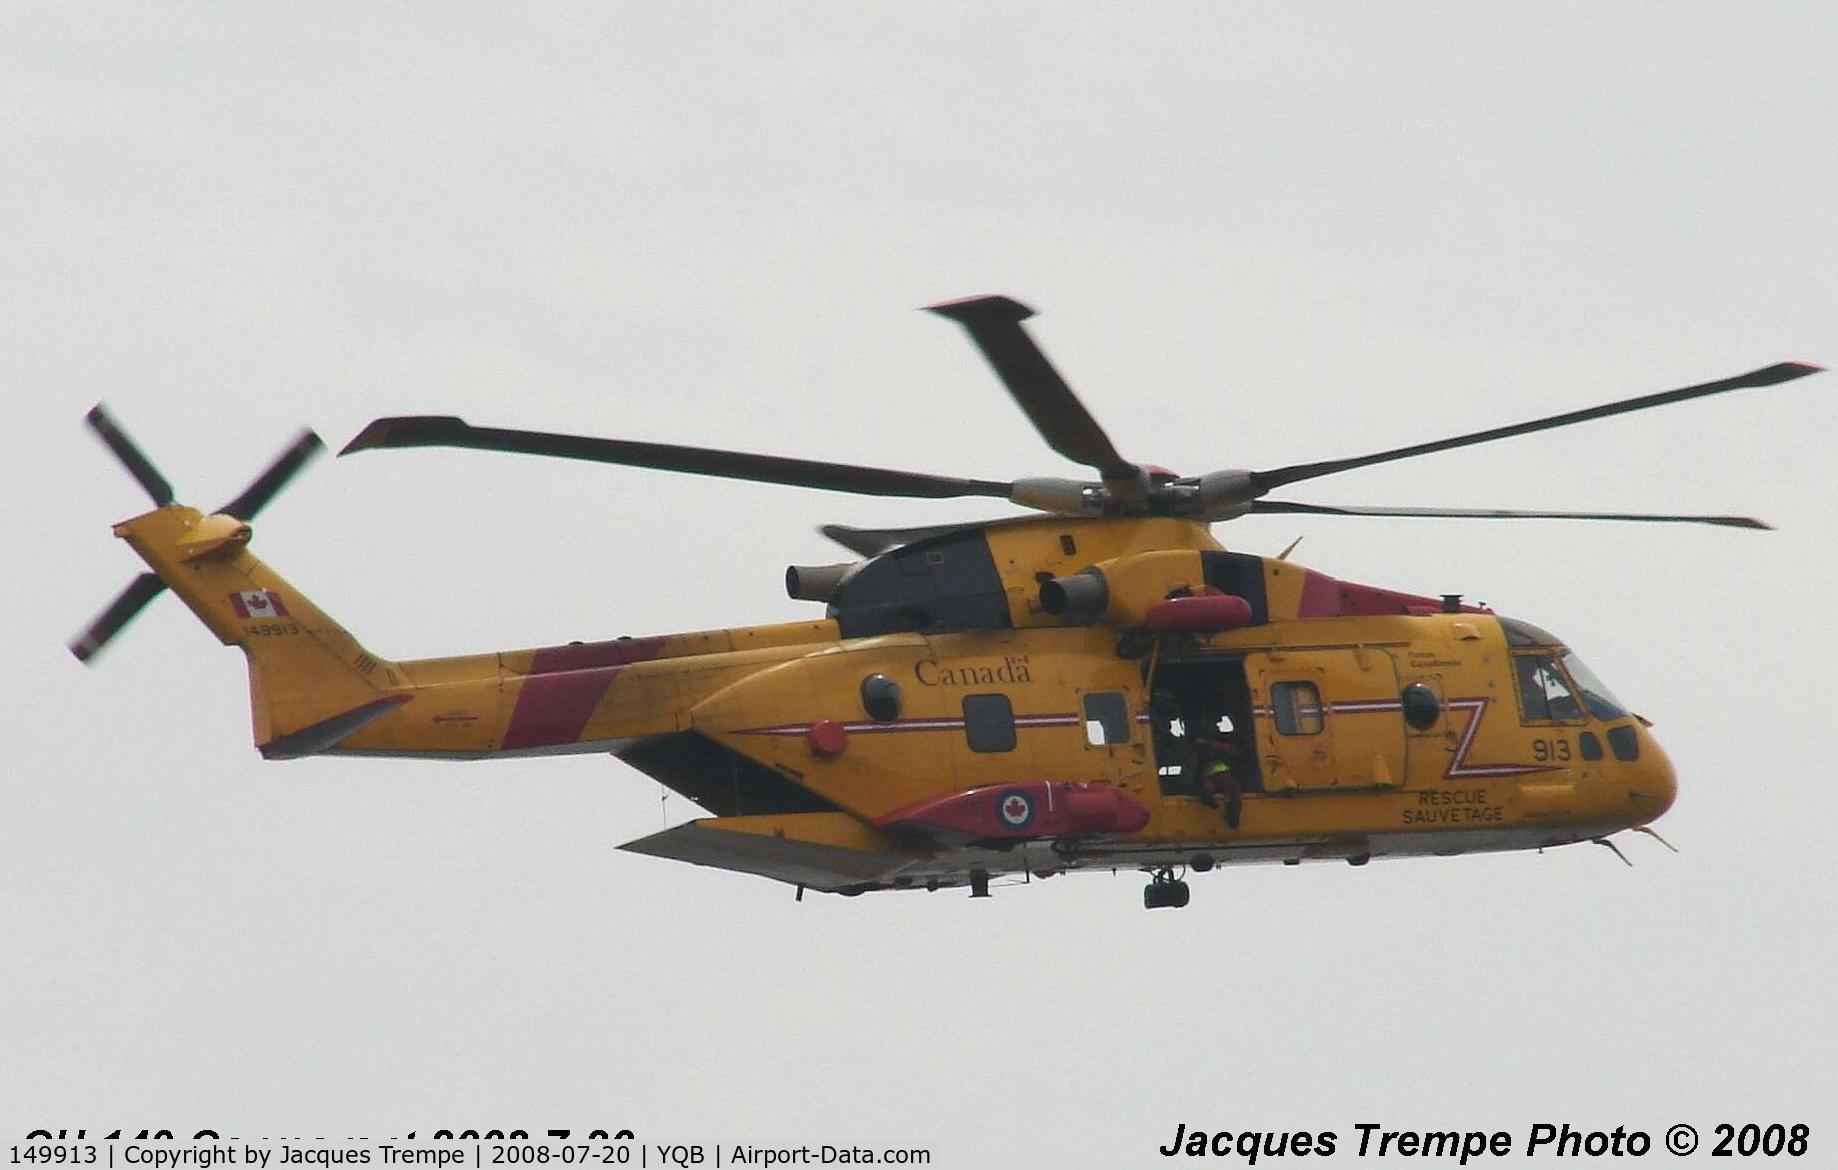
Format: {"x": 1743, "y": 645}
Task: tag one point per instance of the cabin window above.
{"x": 989, "y": 723}
{"x": 1107, "y": 718}
{"x": 1297, "y": 708}
{"x": 1545, "y": 695}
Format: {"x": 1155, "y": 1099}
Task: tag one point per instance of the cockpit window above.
{"x": 1596, "y": 696}
{"x": 1524, "y": 634}
{"x": 1545, "y": 695}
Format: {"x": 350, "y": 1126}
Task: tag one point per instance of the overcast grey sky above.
{"x": 1256, "y": 234}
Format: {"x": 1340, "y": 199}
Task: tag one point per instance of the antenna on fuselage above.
{"x": 1653, "y": 833}
{"x": 1606, "y": 843}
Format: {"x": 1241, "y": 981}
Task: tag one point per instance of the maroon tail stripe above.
{"x": 555, "y": 708}
{"x": 564, "y": 686}
{"x": 587, "y": 655}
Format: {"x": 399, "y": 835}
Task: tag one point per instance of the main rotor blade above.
{"x": 994, "y": 324}
{"x": 131, "y": 456}
{"x": 1285, "y": 507}
{"x": 868, "y": 542}
{"x": 287, "y": 464}
{"x": 120, "y": 612}
{"x": 444, "y": 431}
{"x": 1772, "y": 375}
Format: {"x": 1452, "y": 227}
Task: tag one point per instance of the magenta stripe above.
{"x": 565, "y": 685}
{"x": 905, "y": 725}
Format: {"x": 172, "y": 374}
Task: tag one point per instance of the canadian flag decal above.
{"x": 258, "y": 603}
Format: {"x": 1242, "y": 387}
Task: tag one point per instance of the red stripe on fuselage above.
{"x": 565, "y": 685}
{"x": 1324, "y": 596}
{"x": 587, "y": 655}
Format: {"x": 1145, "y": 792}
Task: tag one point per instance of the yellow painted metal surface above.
{"x": 1340, "y": 772}
{"x": 1320, "y": 731}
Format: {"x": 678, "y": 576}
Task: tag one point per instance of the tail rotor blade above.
{"x": 119, "y": 613}
{"x": 144, "y": 588}
{"x": 255, "y": 497}
{"x": 130, "y": 454}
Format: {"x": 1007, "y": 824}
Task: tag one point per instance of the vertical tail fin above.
{"x": 311, "y": 685}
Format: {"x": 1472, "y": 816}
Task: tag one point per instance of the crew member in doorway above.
{"x": 1219, "y": 779}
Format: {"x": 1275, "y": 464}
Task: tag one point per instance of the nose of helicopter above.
{"x": 1653, "y": 785}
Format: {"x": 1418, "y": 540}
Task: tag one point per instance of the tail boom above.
{"x": 315, "y": 690}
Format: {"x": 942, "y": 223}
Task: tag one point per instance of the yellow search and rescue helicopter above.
{"x": 1097, "y": 686}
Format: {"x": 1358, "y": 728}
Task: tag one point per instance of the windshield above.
{"x": 1596, "y": 696}
{"x": 1522, "y": 635}
{"x": 1545, "y": 694}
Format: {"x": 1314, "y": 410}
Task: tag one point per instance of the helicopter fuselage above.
{"x": 953, "y": 717}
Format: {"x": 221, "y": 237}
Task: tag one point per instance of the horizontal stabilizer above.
{"x": 329, "y": 733}
{"x": 824, "y": 851}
